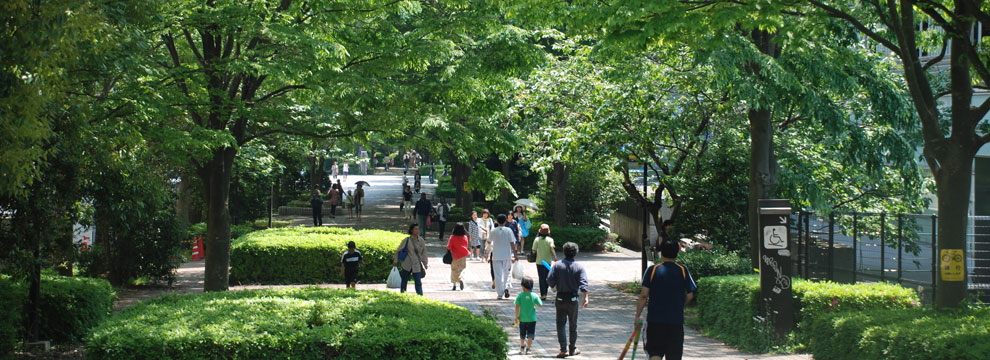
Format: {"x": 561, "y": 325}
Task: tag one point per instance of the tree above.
{"x": 951, "y": 136}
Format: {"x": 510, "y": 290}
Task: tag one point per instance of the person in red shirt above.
{"x": 458, "y": 246}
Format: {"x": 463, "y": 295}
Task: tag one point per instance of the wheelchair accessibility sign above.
{"x": 775, "y": 237}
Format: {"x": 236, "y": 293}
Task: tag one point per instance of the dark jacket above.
{"x": 423, "y": 207}
{"x": 316, "y": 201}
{"x": 568, "y": 276}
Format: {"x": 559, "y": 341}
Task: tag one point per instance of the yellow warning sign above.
{"x": 953, "y": 265}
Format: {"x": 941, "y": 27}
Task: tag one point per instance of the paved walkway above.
{"x": 604, "y": 326}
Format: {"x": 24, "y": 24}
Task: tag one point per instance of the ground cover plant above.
{"x": 308, "y": 255}
{"x": 728, "y": 307}
{"x": 902, "y": 334}
{"x": 70, "y": 306}
{"x": 307, "y": 323}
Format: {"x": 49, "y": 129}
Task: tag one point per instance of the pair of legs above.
{"x": 664, "y": 341}
{"x": 501, "y": 269}
{"x": 318, "y": 216}
{"x": 456, "y": 268}
{"x": 333, "y": 210}
{"x": 422, "y": 226}
{"x": 357, "y": 209}
{"x": 542, "y": 273}
{"x": 417, "y": 278}
{"x": 351, "y": 279}
{"x": 567, "y": 314}
{"x": 527, "y": 331}
{"x": 443, "y": 228}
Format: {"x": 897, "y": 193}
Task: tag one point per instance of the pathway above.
{"x": 604, "y": 326}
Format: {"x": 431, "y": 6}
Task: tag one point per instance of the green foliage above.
{"x": 728, "y": 306}
{"x": 11, "y": 314}
{"x": 308, "y": 323}
{"x": 262, "y": 224}
{"x": 902, "y": 334}
{"x": 306, "y": 255}
{"x": 445, "y": 188}
{"x": 592, "y": 191}
{"x": 70, "y": 306}
{"x": 703, "y": 264}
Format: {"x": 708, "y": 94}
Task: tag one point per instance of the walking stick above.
{"x": 622, "y": 355}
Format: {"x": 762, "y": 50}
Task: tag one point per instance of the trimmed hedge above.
{"x": 309, "y": 255}
{"x": 705, "y": 264}
{"x": 587, "y": 238}
{"x": 70, "y": 306}
{"x": 308, "y": 323}
{"x": 902, "y": 334}
{"x": 727, "y": 306}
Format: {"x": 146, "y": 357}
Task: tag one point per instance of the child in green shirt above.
{"x": 526, "y": 303}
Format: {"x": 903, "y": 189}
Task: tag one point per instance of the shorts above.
{"x": 527, "y": 329}
{"x": 664, "y": 340}
{"x": 350, "y": 276}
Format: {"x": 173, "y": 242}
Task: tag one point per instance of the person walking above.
{"x": 316, "y": 201}
{"x": 333, "y": 197}
{"x": 544, "y": 248}
{"x": 347, "y": 170}
{"x": 422, "y": 210}
{"x": 526, "y": 304}
{"x": 524, "y": 225}
{"x": 416, "y": 180}
{"x": 407, "y": 197}
{"x": 415, "y": 263}
{"x": 433, "y": 172}
{"x": 458, "y": 246}
{"x": 485, "y": 226}
{"x": 405, "y": 161}
{"x": 443, "y": 209}
{"x": 667, "y": 287}
{"x": 570, "y": 278}
{"x": 513, "y": 225}
{"x": 474, "y": 235}
{"x": 334, "y": 171}
{"x": 358, "y": 200}
{"x": 502, "y": 247}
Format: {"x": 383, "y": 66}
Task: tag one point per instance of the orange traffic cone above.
{"x": 197, "y": 250}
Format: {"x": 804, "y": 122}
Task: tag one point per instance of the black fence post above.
{"x": 807, "y": 234}
{"x": 883, "y": 246}
{"x": 934, "y": 253}
{"x": 831, "y": 243}
{"x": 900, "y": 246}
{"x": 856, "y": 257}
{"x": 800, "y": 241}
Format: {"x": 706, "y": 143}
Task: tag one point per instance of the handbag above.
{"x": 531, "y": 257}
{"x": 448, "y": 258}
{"x": 404, "y": 252}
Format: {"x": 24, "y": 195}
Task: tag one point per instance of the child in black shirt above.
{"x": 349, "y": 264}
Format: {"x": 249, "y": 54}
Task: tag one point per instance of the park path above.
{"x": 604, "y": 326}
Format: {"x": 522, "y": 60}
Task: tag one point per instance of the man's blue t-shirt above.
{"x": 668, "y": 285}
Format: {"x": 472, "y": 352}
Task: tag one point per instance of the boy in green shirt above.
{"x": 526, "y": 303}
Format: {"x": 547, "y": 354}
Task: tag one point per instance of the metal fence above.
{"x": 852, "y": 247}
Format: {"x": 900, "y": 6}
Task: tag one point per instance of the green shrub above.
{"x": 308, "y": 255}
{"x": 262, "y": 224}
{"x": 307, "y": 323}
{"x": 728, "y": 306}
{"x": 587, "y": 238}
{"x": 236, "y": 231}
{"x": 445, "y": 188}
{"x": 902, "y": 334}
{"x": 11, "y": 300}
{"x": 704, "y": 264}
{"x": 69, "y": 307}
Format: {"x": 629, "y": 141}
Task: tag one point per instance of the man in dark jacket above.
{"x": 570, "y": 278}
{"x": 317, "y": 202}
{"x": 422, "y": 210}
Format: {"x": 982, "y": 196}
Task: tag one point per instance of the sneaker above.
{"x": 526, "y": 352}
{"x": 506, "y": 293}
{"x": 522, "y": 349}
{"x": 575, "y": 352}
{"x": 562, "y": 354}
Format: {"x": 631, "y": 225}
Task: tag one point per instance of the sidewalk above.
{"x": 603, "y": 327}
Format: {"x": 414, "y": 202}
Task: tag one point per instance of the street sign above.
{"x": 775, "y": 264}
{"x": 952, "y": 265}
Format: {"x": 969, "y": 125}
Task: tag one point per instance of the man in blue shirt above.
{"x": 423, "y": 209}
{"x": 570, "y": 278}
{"x": 667, "y": 286}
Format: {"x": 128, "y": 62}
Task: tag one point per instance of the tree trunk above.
{"x": 183, "y": 203}
{"x": 559, "y": 174}
{"x": 953, "y": 186}
{"x": 762, "y": 163}
{"x": 315, "y": 173}
{"x": 762, "y": 174}
{"x": 505, "y": 195}
{"x": 463, "y": 198}
{"x": 216, "y": 180}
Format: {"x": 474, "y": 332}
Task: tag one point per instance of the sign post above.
{"x": 775, "y": 264}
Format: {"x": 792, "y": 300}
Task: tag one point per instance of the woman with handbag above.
{"x": 543, "y": 247}
{"x": 457, "y": 252}
{"x": 412, "y": 254}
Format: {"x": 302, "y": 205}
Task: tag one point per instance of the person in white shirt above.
{"x": 502, "y": 247}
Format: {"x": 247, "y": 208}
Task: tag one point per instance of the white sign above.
{"x": 775, "y": 237}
